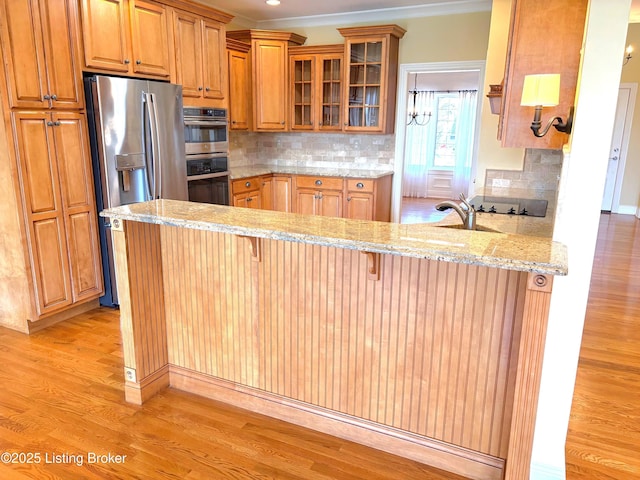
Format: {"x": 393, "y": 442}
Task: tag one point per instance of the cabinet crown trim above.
{"x": 394, "y": 30}
{"x": 199, "y": 9}
{"x": 316, "y": 49}
{"x": 237, "y": 45}
{"x": 248, "y": 35}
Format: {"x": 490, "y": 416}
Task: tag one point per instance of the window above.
{"x": 446, "y": 119}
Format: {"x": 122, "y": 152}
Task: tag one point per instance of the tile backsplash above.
{"x": 541, "y": 171}
{"x": 311, "y": 150}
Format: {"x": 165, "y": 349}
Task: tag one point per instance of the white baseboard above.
{"x": 627, "y": 210}
{"x": 540, "y": 471}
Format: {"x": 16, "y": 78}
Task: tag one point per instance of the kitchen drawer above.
{"x": 360, "y": 185}
{"x": 245, "y": 185}
{"x": 319, "y": 183}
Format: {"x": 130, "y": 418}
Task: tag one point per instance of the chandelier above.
{"x": 414, "y": 116}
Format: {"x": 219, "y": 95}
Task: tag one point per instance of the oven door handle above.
{"x": 202, "y": 156}
{"x": 205, "y": 123}
{"x": 207, "y": 176}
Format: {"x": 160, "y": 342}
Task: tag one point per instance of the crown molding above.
{"x": 385, "y": 15}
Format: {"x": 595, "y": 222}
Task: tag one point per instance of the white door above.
{"x": 617, "y": 152}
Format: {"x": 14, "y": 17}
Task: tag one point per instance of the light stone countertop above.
{"x": 500, "y": 250}
{"x": 236, "y": 173}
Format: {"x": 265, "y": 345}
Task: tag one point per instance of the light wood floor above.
{"x": 603, "y": 442}
{"x": 421, "y": 210}
{"x": 62, "y": 394}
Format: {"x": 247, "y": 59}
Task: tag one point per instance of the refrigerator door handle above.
{"x": 157, "y": 151}
{"x": 154, "y": 177}
{"x": 149, "y": 149}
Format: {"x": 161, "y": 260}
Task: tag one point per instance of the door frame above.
{"x": 624, "y": 149}
{"x": 401, "y": 115}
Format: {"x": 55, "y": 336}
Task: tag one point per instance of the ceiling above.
{"x": 257, "y": 11}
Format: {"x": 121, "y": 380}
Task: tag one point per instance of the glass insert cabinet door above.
{"x": 303, "y": 72}
{"x": 331, "y": 94}
{"x": 365, "y": 84}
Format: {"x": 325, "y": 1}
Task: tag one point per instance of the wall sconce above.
{"x": 495, "y": 98}
{"x": 628, "y": 51}
{"x": 544, "y": 91}
{"x": 413, "y": 113}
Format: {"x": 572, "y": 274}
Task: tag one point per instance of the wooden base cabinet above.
{"x": 59, "y": 206}
{"x": 40, "y": 43}
{"x": 319, "y": 195}
{"x": 246, "y": 192}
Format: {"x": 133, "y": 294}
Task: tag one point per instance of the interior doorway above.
{"x": 619, "y": 147}
{"x": 436, "y": 152}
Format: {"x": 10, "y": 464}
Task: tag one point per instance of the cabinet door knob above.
{"x": 249, "y": 199}
{"x": 318, "y": 182}
{"x": 46, "y": 97}
{"x": 282, "y": 123}
{"x": 247, "y": 184}
{"x": 138, "y": 62}
{"x": 359, "y": 185}
{"x": 199, "y": 89}
{"x": 233, "y": 122}
{"x": 207, "y": 89}
{"x": 348, "y": 199}
{"x": 49, "y": 124}
{"x": 56, "y": 124}
{"x": 127, "y": 61}
{"x": 54, "y": 97}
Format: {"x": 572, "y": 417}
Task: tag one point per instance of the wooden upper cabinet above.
{"x": 316, "y": 87}
{"x": 214, "y": 56}
{"x": 239, "y": 69}
{"x": 371, "y": 71}
{"x": 105, "y": 35}
{"x": 528, "y": 52}
{"x": 130, "y": 37}
{"x": 270, "y": 80}
{"x": 150, "y": 45}
{"x": 41, "y": 53}
{"x": 200, "y": 56}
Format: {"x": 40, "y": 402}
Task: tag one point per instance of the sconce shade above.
{"x": 541, "y": 90}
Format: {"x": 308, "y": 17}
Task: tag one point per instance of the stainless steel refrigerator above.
{"x": 136, "y": 129}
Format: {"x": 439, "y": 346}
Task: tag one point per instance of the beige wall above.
{"x": 490, "y": 154}
{"x": 630, "y": 196}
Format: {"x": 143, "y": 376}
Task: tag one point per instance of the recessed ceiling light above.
{"x": 273, "y": 2}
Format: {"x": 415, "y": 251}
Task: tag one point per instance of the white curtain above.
{"x": 465, "y": 135}
{"x": 419, "y": 147}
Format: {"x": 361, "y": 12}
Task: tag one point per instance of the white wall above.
{"x": 576, "y": 225}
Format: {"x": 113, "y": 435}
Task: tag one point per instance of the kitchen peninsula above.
{"x": 422, "y": 341}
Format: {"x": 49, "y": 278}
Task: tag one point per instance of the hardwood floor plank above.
{"x": 604, "y": 430}
{"x": 63, "y": 393}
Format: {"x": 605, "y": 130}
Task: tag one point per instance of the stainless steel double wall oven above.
{"x": 206, "y": 136}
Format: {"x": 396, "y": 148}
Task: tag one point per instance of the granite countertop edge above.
{"x": 236, "y": 173}
{"x": 500, "y": 250}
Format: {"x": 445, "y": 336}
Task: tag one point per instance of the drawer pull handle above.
{"x": 247, "y": 184}
{"x": 359, "y": 185}
{"x": 318, "y": 182}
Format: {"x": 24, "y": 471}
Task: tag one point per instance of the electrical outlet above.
{"x": 501, "y": 182}
{"x": 129, "y": 374}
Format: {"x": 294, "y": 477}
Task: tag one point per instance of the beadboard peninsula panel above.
{"x": 429, "y": 349}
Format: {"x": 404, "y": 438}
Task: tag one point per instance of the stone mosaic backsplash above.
{"x": 541, "y": 171}
{"x": 312, "y": 150}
